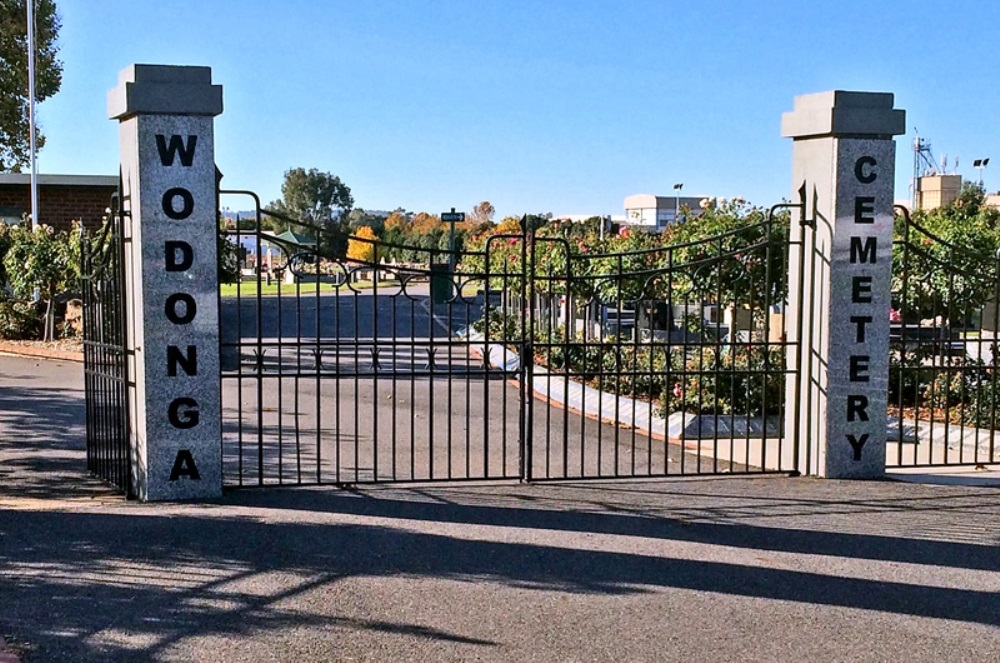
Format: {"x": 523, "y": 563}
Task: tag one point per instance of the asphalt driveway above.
{"x": 725, "y": 569}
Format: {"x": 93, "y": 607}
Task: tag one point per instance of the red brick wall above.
{"x": 59, "y": 205}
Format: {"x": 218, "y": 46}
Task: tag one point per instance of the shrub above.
{"x": 737, "y": 379}
{"x": 6, "y": 239}
{"x": 40, "y": 260}
{"x": 19, "y": 320}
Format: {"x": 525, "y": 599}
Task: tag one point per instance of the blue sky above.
{"x": 563, "y": 107}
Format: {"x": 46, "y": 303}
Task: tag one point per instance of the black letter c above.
{"x": 859, "y": 170}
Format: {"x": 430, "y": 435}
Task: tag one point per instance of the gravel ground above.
{"x": 726, "y": 569}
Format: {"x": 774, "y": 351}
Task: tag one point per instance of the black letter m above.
{"x": 167, "y": 153}
{"x": 865, "y": 252}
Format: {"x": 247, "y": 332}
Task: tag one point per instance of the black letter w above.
{"x": 176, "y": 147}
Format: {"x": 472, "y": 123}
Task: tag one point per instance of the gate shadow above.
{"x": 651, "y": 523}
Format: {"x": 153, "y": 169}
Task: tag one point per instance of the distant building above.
{"x": 576, "y": 218}
{"x": 654, "y": 213}
{"x": 61, "y": 198}
{"x": 934, "y": 191}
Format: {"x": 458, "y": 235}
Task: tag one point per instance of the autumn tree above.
{"x": 398, "y": 220}
{"x": 15, "y": 145}
{"x": 481, "y": 213}
{"x": 361, "y": 246}
{"x": 424, "y": 223}
{"x": 510, "y": 225}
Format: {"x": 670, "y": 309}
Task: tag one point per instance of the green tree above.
{"x": 945, "y": 262}
{"x": 358, "y": 218}
{"x": 15, "y": 150}
{"x": 42, "y": 260}
{"x": 318, "y": 205}
{"x": 730, "y": 254}
{"x": 230, "y": 254}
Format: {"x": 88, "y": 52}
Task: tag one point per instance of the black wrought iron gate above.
{"x": 944, "y": 334}
{"x": 106, "y": 380}
{"x": 348, "y": 359}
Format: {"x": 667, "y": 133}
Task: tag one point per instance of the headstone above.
{"x": 843, "y": 159}
{"x": 165, "y": 117}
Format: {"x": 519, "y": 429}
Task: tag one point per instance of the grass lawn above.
{"x": 249, "y": 288}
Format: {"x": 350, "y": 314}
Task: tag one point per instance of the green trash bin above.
{"x": 441, "y": 288}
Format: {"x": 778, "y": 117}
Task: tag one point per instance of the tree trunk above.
{"x": 49, "y": 321}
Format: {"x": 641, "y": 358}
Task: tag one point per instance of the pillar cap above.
{"x": 154, "y": 89}
{"x": 839, "y": 113}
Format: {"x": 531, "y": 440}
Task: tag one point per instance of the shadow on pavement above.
{"x": 165, "y": 579}
{"x": 659, "y": 521}
{"x": 42, "y": 438}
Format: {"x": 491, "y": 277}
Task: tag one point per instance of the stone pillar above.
{"x": 840, "y": 262}
{"x": 165, "y": 117}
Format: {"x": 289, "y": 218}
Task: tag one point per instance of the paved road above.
{"x": 724, "y": 570}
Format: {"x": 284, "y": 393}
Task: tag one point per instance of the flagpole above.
{"x": 31, "y": 112}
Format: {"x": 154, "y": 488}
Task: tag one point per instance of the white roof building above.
{"x": 654, "y": 213}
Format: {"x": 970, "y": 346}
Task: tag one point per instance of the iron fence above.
{"x": 352, "y": 360}
{"x": 105, "y": 355}
{"x": 943, "y": 343}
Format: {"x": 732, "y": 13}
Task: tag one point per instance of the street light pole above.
{"x": 31, "y": 112}
{"x": 677, "y": 201}
{"x": 980, "y": 165}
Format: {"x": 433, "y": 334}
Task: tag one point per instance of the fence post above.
{"x": 165, "y": 117}
{"x": 843, "y": 169}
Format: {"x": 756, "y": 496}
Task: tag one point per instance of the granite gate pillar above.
{"x": 840, "y": 261}
{"x": 166, "y": 138}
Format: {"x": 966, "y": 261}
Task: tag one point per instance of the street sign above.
{"x": 453, "y": 217}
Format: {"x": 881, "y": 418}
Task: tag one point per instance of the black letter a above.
{"x": 184, "y": 466}
{"x": 176, "y": 147}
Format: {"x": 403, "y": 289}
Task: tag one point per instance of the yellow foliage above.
{"x": 511, "y": 225}
{"x": 362, "y": 251}
{"x": 425, "y": 223}
{"x": 396, "y": 220}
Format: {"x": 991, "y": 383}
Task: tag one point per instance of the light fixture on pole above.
{"x": 980, "y": 164}
{"x": 677, "y": 201}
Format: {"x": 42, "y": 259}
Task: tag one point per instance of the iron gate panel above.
{"x": 352, "y": 373}
{"x": 943, "y": 384}
{"x": 671, "y": 355}
{"x": 105, "y": 355}
{"x": 527, "y": 358}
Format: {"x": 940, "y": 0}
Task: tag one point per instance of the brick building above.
{"x": 61, "y": 198}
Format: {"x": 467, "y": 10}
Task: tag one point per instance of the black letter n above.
{"x": 186, "y": 362}
{"x": 176, "y": 147}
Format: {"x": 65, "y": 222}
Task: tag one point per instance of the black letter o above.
{"x": 186, "y": 198}
{"x": 190, "y": 308}
{"x": 859, "y": 170}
